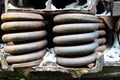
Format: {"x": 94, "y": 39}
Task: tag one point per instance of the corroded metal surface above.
{"x": 50, "y": 12}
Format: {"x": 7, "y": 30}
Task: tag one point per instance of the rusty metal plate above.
{"x": 50, "y": 12}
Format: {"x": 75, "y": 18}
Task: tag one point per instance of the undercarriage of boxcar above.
{"x": 74, "y": 37}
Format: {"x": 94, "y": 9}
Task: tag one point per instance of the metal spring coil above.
{"x": 27, "y": 34}
{"x": 76, "y": 39}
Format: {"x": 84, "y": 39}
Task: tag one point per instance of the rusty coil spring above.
{"x": 27, "y": 33}
{"x": 101, "y": 39}
{"x": 75, "y": 45}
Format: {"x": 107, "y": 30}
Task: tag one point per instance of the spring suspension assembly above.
{"x": 76, "y": 40}
{"x": 26, "y": 38}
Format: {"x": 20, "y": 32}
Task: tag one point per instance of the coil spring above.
{"x": 27, "y": 34}
{"x": 101, "y": 40}
{"x": 76, "y": 44}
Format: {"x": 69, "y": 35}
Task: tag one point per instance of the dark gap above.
{"x": 100, "y": 8}
{"x": 37, "y": 4}
{"x": 109, "y": 37}
{"x": 75, "y": 44}
{"x": 82, "y": 2}
{"x": 2, "y": 10}
{"x": 29, "y": 41}
{"x": 62, "y": 3}
{"x": 75, "y": 56}
{"x": 49, "y": 27}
